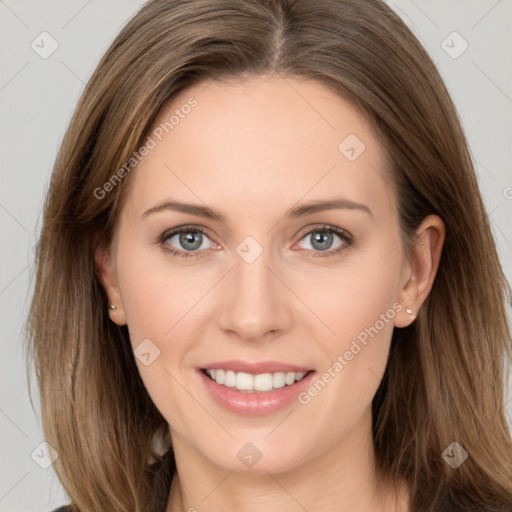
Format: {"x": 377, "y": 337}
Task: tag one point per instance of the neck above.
{"x": 343, "y": 474}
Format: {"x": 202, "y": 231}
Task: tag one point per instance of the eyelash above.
{"x": 344, "y": 235}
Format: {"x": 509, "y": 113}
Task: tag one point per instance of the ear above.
{"x": 106, "y": 272}
{"x": 421, "y": 269}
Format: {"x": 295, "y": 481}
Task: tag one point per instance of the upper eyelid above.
{"x": 184, "y": 229}
{"x": 323, "y": 227}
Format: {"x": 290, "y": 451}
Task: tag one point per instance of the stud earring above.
{"x": 113, "y": 307}
{"x": 410, "y": 313}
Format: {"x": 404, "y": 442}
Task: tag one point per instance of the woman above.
{"x": 268, "y": 274}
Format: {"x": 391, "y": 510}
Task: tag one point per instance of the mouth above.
{"x": 254, "y": 388}
{"x": 254, "y": 383}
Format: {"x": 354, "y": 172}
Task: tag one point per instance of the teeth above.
{"x": 230, "y": 379}
{"x": 254, "y": 383}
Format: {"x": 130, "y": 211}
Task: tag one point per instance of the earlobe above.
{"x": 422, "y": 269}
{"x": 103, "y": 263}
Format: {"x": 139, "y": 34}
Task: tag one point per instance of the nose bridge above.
{"x": 255, "y": 303}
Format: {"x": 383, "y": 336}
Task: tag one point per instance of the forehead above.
{"x": 260, "y": 138}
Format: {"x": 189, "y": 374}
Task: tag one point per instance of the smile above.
{"x": 254, "y": 388}
{"x": 258, "y": 383}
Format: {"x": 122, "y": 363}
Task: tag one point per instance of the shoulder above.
{"x": 62, "y": 509}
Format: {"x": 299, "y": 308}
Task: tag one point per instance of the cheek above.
{"x": 366, "y": 305}
{"x": 163, "y": 310}
{"x": 157, "y": 296}
{"x": 359, "y": 305}
{"x": 159, "y": 305}
{"x": 357, "y": 299}
{"x": 356, "y": 354}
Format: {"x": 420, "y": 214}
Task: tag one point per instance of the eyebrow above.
{"x": 297, "y": 212}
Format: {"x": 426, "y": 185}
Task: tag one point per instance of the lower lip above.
{"x": 255, "y": 404}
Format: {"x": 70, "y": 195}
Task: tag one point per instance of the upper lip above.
{"x": 255, "y": 368}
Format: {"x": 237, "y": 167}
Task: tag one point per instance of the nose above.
{"x": 255, "y": 303}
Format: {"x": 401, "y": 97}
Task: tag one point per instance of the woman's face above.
{"x": 273, "y": 286}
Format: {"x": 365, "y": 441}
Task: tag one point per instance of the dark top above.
{"x": 163, "y": 472}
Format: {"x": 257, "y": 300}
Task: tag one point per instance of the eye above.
{"x": 322, "y": 238}
{"x": 191, "y": 241}
{"x": 185, "y": 242}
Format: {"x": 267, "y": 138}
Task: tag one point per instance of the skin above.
{"x": 251, "y": 150}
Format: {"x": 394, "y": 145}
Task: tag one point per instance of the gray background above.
{"x": 38, "y": 95}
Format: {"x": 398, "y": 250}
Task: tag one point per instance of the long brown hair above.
{"x": 444, "y": 382}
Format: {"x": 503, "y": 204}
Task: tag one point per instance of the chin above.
{"x": 253, "y": 458}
